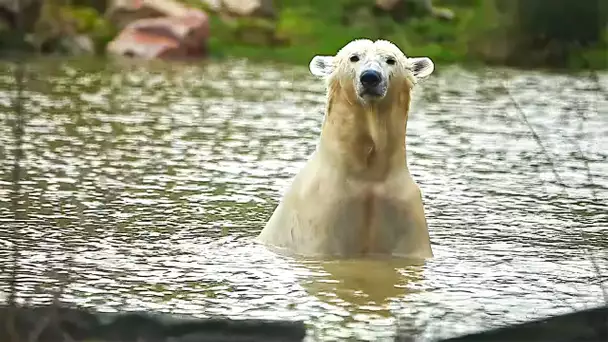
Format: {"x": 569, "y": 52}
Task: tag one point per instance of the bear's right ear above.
{"x": 321, "y": 66}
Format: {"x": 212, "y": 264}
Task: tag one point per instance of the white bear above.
{"x": 355, "y": 196}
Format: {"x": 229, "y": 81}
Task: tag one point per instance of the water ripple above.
{"x": 143, "y": 186}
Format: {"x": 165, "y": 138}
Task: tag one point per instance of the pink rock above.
{"x": 123, "y": 12}
{"x": 175, "y": 37}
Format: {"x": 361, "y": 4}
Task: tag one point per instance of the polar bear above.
{"x": 355, "y": 196}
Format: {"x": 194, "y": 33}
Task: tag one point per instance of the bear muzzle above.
{"x": 371, "y": 84}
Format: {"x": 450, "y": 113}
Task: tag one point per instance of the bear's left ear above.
{"x": 321, "y": 66}
{"x": 422, "y": 67}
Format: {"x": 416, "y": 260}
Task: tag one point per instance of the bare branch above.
{"x": 563, "y": 186}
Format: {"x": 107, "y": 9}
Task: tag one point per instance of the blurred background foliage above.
{"x": 525, "y": 33}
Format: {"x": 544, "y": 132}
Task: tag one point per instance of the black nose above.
{"x": 370, "y": 78}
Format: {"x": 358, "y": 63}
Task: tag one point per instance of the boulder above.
{"x": 426, "y": 7}
{"x": 123, "y": 12}
{"x": 63, "y": 44}
{"x": 79, "y": 44}
{"x": 14, "y": 6}
{"x": 242, "y": 8}
{"x": 213, "y": 5}
{"x": 387, "y": 5}
{"x": 174, "y": 37}
{"x": 20, "y": 14}
{"x": 442, "y": 13}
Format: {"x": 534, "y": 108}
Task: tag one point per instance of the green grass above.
{"x": 317, "y": 27}
{"x": 305, "y": 28}
{"x": 479, "y": 34}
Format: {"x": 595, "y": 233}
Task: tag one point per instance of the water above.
{"x": 142, "y": 186}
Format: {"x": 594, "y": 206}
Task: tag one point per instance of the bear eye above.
{"x": 354, "y": 58}
{"x": 390, "y": 61}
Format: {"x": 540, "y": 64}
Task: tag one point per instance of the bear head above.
{"x": 371, "y": 71}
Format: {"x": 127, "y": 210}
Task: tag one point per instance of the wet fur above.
{"x": 355, "y": 196}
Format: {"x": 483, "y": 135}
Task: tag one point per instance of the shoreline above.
{"x": 479, "y": 35}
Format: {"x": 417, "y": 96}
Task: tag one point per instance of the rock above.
{"x": 243, "y": 8}
{"x": 249, "y": 8}
{"x": 213, "y": 5}
{"x": 442, "y": 13}
{"x": 14, "y": 6}
{"x": 77, "y": 45}
{"x": 387, "y": 5}
{"x": 28, "y": 9}
{"x": 174, "y": 37}
{"x": 62, "y": 323}
{"x": 425, "y": 7}
{"x": 584, "y": 325}
{"x": 123, "y": 12}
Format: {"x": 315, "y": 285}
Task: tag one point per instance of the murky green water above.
{"x": 144, "y": 186}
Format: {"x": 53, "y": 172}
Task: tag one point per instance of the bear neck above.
{"x": 365, "y": 141}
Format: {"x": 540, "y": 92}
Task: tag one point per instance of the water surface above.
{"x": 141, "y": 187}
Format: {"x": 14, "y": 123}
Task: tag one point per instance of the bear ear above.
{"x": 422, "y": 67}
{"x": 321, "y": 66}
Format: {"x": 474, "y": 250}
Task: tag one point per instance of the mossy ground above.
{"x": 306, "y": 28}
{"x": 303, "y": 28}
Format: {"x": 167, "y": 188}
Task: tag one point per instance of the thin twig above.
{"x": 18, "y": 131}
{"x": 563, "y": 187}
{"x": 536, "y": 137}
{"x": 581, "y": 115}
{"x": 17, "y": 128}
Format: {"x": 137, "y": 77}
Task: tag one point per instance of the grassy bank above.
{"x": 306, "y": 28}
{"x": 522, "y": 33}
{"x": 482, "y": 32}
